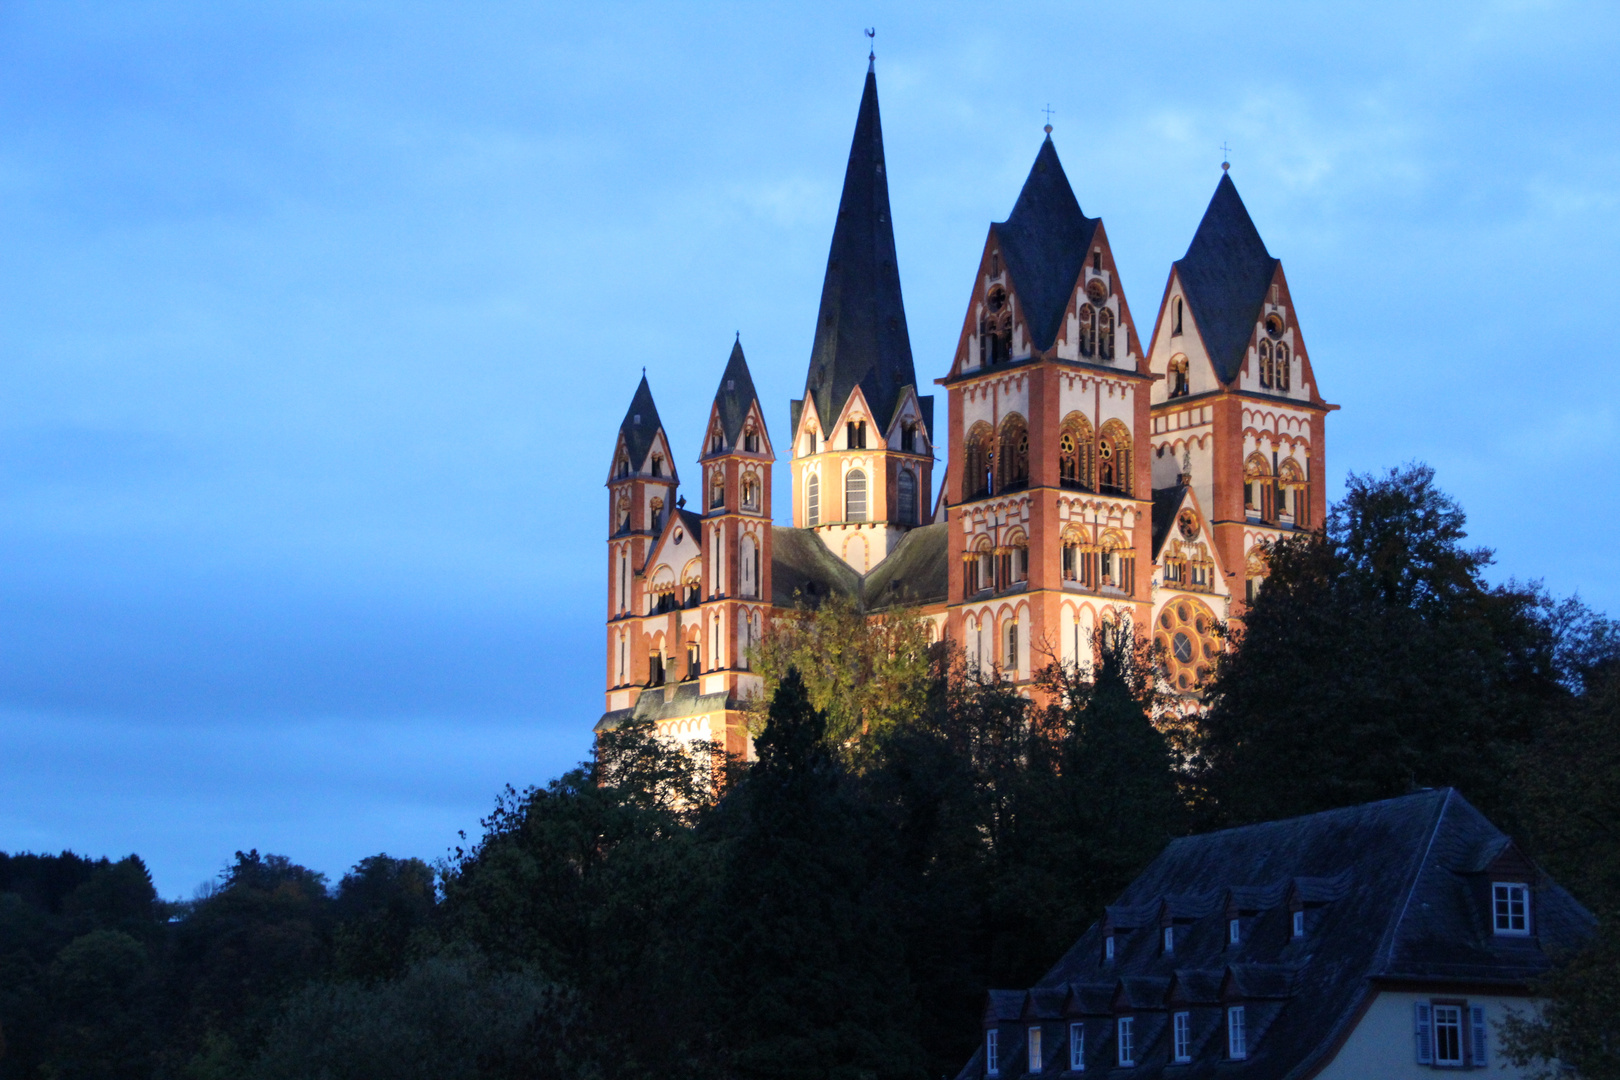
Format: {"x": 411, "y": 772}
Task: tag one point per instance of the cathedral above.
{"x": 1094, "y": 474}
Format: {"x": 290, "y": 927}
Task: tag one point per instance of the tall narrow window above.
{"x": 1234, "y": 931}
{"x": 1181, "y": 1048}
{"x": 621, "y": 660}
{"x": 992, "y": 1055}
{"x": 978, "y": 460}
{"x": 1108, "y": 948}
{"x": 1125, "y": 1040}
{"x": 1077, "y": 1047}
{"x": 908, "y": 438}
{"x": 1179, "y": 385}
{"x": 1237, "y": 1035}
{"x": 1096, "y": 260}
{"x": 1011, "y": 657}
{"x": 658, "y": 465}
{"x": 906, "y": 495}
{"x": 1035, "y": 1058}
{"x": 1088, "y": 330}
{"x": 1169, "y": 939}
{"x": 692, "y": 667}
{"x": 855, "y": 496}
{"x": 812, "y": 499}
{"x": 717, "y": 488}
{"x": 1448, "y": 1035}
{"x": 1175, "y": 316}
{"x": 1013, "y": 454}
{"x": 751, "y": 442}
{"x": 1105, "y": 334}
{"x": 1299, "y": 916}
{"x": 1265, "y": 364}
{"x": 1283, "y": 374}
{"x": 855, "y": 435}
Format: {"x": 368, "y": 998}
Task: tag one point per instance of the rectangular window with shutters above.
{"x": 1181, "y": 1048}
{"x": 1423, "y": 1032}
{"x": 1077, "y": 1047}
{"x": 1476, "y": 1027}
{"x": 1035, "y": 1057}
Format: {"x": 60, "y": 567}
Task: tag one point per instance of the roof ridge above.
{"x": 1393, "y": 932}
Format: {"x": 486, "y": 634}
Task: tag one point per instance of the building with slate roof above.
{"x": 1093, "y": 475}
{"x": 1386, "y": 940}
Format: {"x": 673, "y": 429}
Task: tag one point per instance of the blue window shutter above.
{"x": 1476, "y": 1021}
{"x": 1423, "y": 1033}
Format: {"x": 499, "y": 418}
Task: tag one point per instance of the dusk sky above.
{"x": 317, "y": 321}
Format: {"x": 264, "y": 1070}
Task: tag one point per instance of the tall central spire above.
{"x": 861, "y": 337}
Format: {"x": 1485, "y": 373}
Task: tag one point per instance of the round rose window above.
{"x": 1187, "y": 642}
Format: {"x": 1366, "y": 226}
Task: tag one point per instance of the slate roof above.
{"x": 684, "y": 700}
{"x": 735, "y": 396}
{"x": 1224, "y": 275}
{"x": 1044, "y": 243}
{"x": 640, "y": 424}
{"x": 1166, "y": 502}
{"x": 1393, "y": 892}
{"x": 803, "y": 571}
{"x": 861, "y": 336}
{"x": 915, "y": 572}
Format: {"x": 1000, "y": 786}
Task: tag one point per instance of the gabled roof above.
{"x": 861, "y": 336}
{"x": 1044, "y": 243}
{"x": 1166, "y": 505}
{"x": 804, "y": 572}
{"x": 1224, "y": 275}
{"x": 641, "y": 424}
{"x": 913, "y": 574}
{"x": 1396, "y": 896}
{"x": 736, "y": 396}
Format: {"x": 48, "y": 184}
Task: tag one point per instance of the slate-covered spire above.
{"x": 735, "y": 396}
{"x": 861, "y": 336}
{"x": 640, "y": 425}
{"x": 1044, "y": 243}
{"x": 1224, "y": 275}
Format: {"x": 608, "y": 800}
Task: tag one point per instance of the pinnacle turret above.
{"x": 735, "y": 396}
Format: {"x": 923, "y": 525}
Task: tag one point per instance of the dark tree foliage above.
{"x": 811, "y": 979}
{"x": 1376, "y": 659}
{"x": 380, "y": 915}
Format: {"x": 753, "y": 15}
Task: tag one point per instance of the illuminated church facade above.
{"x": 1096, "y": 470}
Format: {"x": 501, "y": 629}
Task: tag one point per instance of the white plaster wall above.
{"x": 1383, "y": 1045}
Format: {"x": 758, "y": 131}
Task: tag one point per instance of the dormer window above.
{"x": 855, "y": 435}
{"x": 717, "y": 443}
{"x": 1034, "y": 1048}
{"x": 658, "y": 465}
{"x": 1234, "y": 931}
{"x": 751, "y": 441}
{"x": 1077, "y": 1047}
{"x": 1108, "y": 948}
{"x": 908, "y": 438}
{"x": 624, "y": 467}
{"x": 1299, "y": 924}
{"x": 1169, "y": 939}
{"x": 1125, "y": 1039}
{"x": 1510, "y": 908}
{"x": 1237, "y": 1033}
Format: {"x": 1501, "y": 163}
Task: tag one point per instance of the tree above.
{"x": 866, "y": 674}
{"x": 382, "y": 910}
{"x": 809, "y": 979}
{"x": 1375, "y": 660}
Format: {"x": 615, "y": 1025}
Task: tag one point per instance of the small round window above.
{"x": 1274, "y": 327}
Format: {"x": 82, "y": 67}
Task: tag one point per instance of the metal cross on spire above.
{"x": 1048, "y": 111}
{"x": 1226, "y": 155}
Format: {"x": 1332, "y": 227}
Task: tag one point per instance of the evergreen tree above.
{"x": 809, "y": 978}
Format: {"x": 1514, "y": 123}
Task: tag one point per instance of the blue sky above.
{"x": 317, "y": 321}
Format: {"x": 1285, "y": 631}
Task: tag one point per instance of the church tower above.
{"x": 862, "y": 437}
{"x": 1237, "y": 416}
{"x": 736, "y": 537}
{"x": 641, "y": 500}
{"x": 1049, "y": 481}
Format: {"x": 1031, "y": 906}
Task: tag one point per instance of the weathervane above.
{"x": 871, "y": 53}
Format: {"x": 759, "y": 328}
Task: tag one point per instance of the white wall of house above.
{"x": 1383, "y": 1044}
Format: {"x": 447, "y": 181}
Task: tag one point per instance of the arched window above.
{"x": 750, "y": 492}
{"x": 1175, "y": 316}
{"x": 658, "y": 465}
{"x": 1114, "y": 458}
{"x": 717, "y": 488}
{"x": 906, "y": 495}
{"x": 1178, "y": 376}
{"x": 1017, "y": 559}
{"x": 624, "y": 467}
{"x": 623, "y": 513}
{"x": 1088, "y": 330}
{"x": 977, "y": 459}
{"x": 1284, "y": 376}
{"x": 812, "y": 499}
{"x": 1290, "y": 479}
{"x": 1259, "y": 489}
{"x": 751, "y": 441}
{"x": 995, "y": 329}
{"x": 717, "y": 442}
{"x": 656, "y": 522}
{"x": 1013, "y": 453}
{"x": 748, "y": 566}
{"x": 1266, "y": 377}
{"x": 1076, "y": 447}
{"x": 1105, "y": 334}
{"x": 855, "y": 496}
{"x": 1009, "y": 654}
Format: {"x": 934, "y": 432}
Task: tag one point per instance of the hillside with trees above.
{"x": 911, "y": 833}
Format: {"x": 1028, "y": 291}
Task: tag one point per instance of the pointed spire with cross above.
{"x": 1048, "y": 111}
